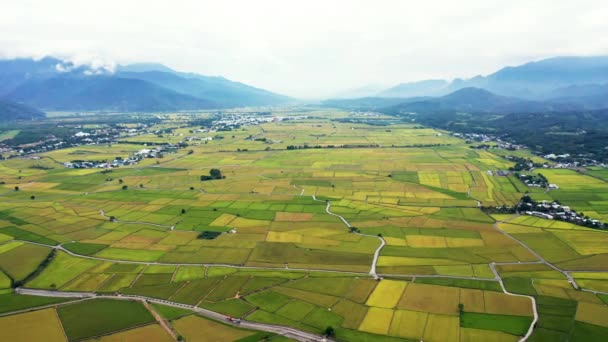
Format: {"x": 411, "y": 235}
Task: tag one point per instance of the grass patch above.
{"x": 465, "y": 283}
{"x": 101, "y": 316}
{"x": 170, "y": 312}
{"x": 84, "y": 248}
{"x": 515, "y": 325}
{"x": 14, "y": 302}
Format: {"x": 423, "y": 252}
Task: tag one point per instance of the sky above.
{"x": 307, "y": 48}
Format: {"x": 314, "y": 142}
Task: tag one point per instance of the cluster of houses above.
{"x": 236, "y": 120}
{"x": 501, "y": 173}
{"x": 555, "y": 211}
{"x": 156, "y": 152}
{"x": 560, "y": 161}
{"x": 103, "y": 135}
{"x": 487, "y": 138}
{"x": 567, "y": 161}
{"x": 536, "y": 181}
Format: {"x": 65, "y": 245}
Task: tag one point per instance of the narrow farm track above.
{"x": 532, "y": 299}
{"x": 163, "y": 323}
{"x": 276, "y": 329}
{"x": 372, "y": 271}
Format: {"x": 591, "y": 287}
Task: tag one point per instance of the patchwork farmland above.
{"x": 381, "y": 233}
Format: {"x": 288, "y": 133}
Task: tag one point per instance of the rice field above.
{"x": 170, "y": 235}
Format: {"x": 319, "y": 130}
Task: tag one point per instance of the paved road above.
{"x": 277, "y": 329}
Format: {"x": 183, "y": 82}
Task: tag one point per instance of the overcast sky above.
{"x": 308, "y": 48}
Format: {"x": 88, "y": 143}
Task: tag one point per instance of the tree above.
{"x": 215, "y": 173}
{"x": 460, "y": 309}
{"x": 112, "y": 218}
{"x": 125, "y": 187}
{"x": 330, "y": 331}
{"x": 33, "y": 197}
{"x": 120, "y": 181}
{"x": 16, "y": 188}
{"x": 183, "y": 211}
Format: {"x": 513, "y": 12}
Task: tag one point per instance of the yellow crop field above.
{"x": 516, "y": 228}
{"x": 377, "y": 321}
{"x": 592, "y": 313}
{"x": 463, "y": 242}
{"x": 584, "y": 242}
{"x": 86, "y": 282}
{"x": 387, "y": 293}
{"x": 152, "y": 332}
{"x": 551, "y": 291}
{"x": 472, "y": 300}
{"x": 292, "y": 217}
{"x": 429, "y": 178}
{"x": 222, "y": 220}
{"x": 458, "y": 270}
{"x": 581, "y": 296}
{"x": 424, "y": 241}
{"x": 477, "y": 335}
{"x": 9, "y": 245}
{"x": 197, "y": 329}
{"x": 500, "y": 303}
{"x": 431, "y": 298}
{"x": 408, "y": 324}
{"x": 407, "y": 261}
{"x": 393, "y": 241}
{"x": 483, "y": 271}
{"x": 41, "y": 325}
{"x": 442, "y": 328}
{"x": 241, "y": 222}
{"x": 283, "y": 237}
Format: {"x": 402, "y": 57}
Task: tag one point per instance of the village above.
{"x": 555, "y": 211}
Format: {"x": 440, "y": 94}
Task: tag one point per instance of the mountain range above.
{"x": 534, "y": 80}
{"x": 10, "y": 111}
{"x": 50, "y": 84}
{"x": 53, "y": 84}
{"x": 555, "y": 85}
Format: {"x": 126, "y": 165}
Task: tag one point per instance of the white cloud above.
{"x": 306, "y": 48}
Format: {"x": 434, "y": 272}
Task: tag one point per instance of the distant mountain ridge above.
{"x": 552, "y": 85}
{"x": 415, "y": 89}
{"x": 534, "y": 80}
{"x": 11, "y": 111}
{"x": 53, "y": 84}
{"x": 69, "y": 92}
{"x": 476, "y": 100}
